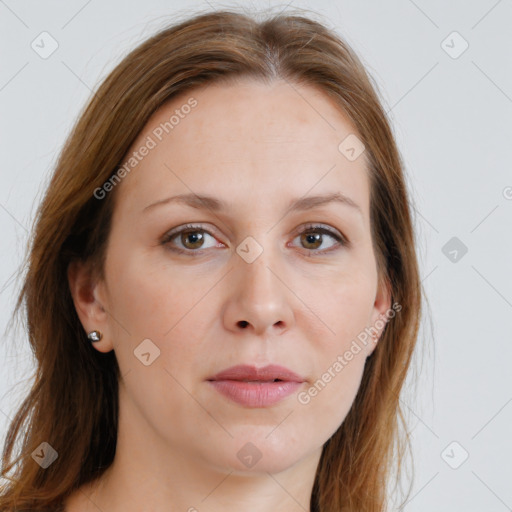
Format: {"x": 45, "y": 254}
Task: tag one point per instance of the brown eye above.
{"x": 314, "y": 237}
{"x": 192, "y": 239}
{"x": 189, "y": 239}
{"x": 311, "y": 240}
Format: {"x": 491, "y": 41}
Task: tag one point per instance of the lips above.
{"x": 248, "y": 373}
{"x": 256, "y": 387}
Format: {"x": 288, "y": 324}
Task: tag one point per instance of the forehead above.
{"x": 247, "y": 140}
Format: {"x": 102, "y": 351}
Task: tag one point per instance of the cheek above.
{"x": 161, "y": 307}
{"x": 339, "y": 346}
{"x": 326, "y": 402}
{"x": 152, "y": 302}
{"x": 342, "y": 304}
{"x": 168, "y": 307}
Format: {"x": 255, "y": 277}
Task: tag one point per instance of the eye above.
{"x": 312, "y": 237}
{"x": 191, "y": 237}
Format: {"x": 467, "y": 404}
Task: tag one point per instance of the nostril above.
{"x": 244, "y": 323}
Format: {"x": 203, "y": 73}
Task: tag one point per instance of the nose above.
{"x": 259, "y": 298}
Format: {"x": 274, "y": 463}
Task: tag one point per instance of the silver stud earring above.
{"x": 95, "y": 336}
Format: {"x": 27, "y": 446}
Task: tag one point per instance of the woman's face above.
{"x": 254, "y": 282}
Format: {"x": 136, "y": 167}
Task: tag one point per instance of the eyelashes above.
{"x": 183, "y": 234}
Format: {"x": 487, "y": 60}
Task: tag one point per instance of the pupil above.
{"x": 194, "y": 235}
{"x": 313, "y": 238}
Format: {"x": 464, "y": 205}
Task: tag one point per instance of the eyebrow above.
{"x": 214, "y": 204}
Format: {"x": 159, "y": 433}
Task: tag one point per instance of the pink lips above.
{"x": 256, "y": 387}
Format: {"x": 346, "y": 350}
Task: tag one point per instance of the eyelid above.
{"x": 185, "y": 227}
{"x": 320, "y": 226}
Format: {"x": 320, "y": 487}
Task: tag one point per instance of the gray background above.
{"x": 451, "y": 115}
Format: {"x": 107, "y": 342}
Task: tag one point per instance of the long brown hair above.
{"x": 73, "y": 403}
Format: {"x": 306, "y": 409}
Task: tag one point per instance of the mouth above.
{"x": 275, "y": 380}
{"x": 256, "y": 387}
{"x": 249, "y": 373}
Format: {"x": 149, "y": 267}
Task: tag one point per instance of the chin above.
{"x": 269, "y": 463}
{"x": 262, "y": 454}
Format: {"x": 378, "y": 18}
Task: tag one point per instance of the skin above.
{"x": 257, "y": 147}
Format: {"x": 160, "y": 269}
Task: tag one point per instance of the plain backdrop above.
{"x": 445, "y": 78}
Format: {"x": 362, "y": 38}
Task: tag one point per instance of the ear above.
{"x": 87, "y": 296}
{"x": 379, "y": 318}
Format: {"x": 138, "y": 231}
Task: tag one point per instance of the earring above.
{"x": 95, "y": 336}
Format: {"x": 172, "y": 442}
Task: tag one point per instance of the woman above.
{"x": 222, "y": 291}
